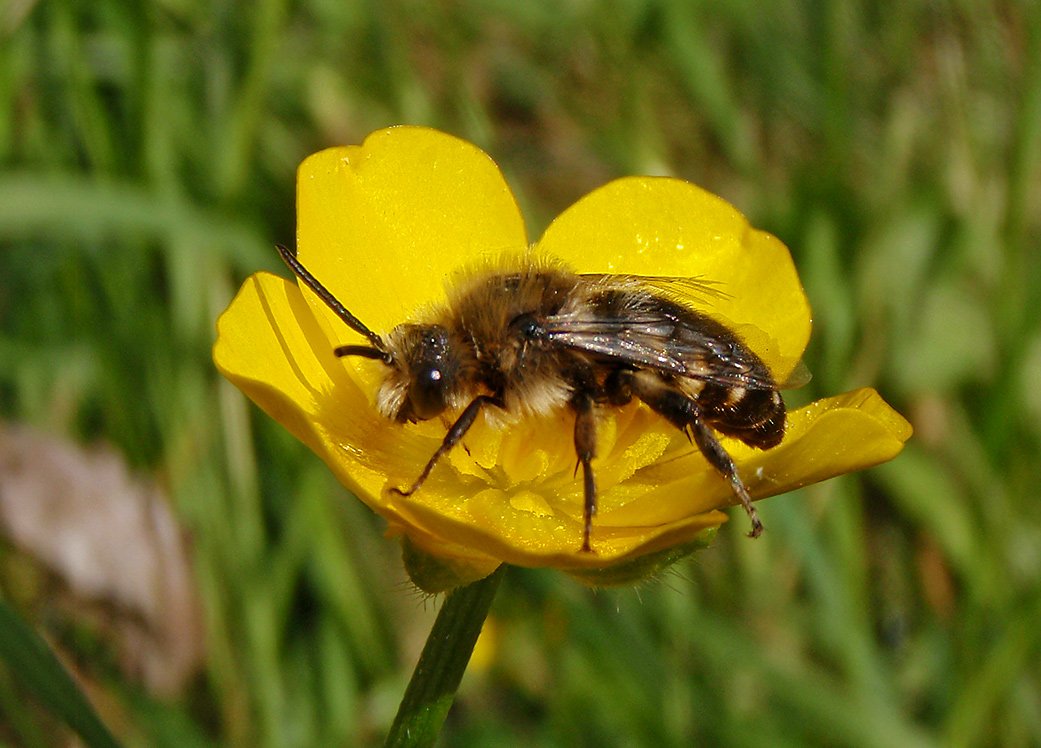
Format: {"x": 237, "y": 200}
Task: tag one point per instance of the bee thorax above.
{"x": 538, "y": 396}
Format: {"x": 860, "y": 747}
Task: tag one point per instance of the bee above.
{"x": 535, "y": 337}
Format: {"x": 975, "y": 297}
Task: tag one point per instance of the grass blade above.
{"x": 34, "y": 664}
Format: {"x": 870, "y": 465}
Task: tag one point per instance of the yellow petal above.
{"x": 383, "y": 224}
{"x": 270, "y": 347}
{"x": 487, "y": 523}
{"x": 262, "y": 342}
{"x": 667, "y": 227}
{"x": 830, "y": 437}
{"x": 837, "y": 435}
{"x": 667, "y": 503}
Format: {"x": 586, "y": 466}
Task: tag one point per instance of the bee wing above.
{"x": 664, "y": 343}
{"x": 703, "y": 293}
{"x": 798, "y": 374}
{"x": 685, "y": 290}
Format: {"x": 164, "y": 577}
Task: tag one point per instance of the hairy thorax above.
{"x": 484, "y": 342}
{"x": 496, "y": 314}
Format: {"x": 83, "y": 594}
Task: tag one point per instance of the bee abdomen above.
{"x": 756, "y": 417}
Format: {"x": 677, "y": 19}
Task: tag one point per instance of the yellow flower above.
{"x": 384, "y": 226}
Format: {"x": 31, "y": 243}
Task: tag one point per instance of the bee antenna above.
{"x": 359, "y": 350}
{"x": 289, "y": 257}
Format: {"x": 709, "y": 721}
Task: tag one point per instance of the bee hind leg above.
{"x": 724, "y": 464}
{"x": 683, "y": 412}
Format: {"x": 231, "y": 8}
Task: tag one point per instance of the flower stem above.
{"x": 432, "y": 689}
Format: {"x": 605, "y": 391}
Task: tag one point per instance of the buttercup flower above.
{"x": 385, "y": 226}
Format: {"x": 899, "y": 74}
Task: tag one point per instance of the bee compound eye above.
{"x": 427, "y": 392}
{"x": 527, "y": 326}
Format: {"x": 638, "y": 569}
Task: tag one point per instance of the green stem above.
{"x": 432, "y": 689}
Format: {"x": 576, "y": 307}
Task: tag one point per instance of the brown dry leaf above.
{"x": 112, "y": 540}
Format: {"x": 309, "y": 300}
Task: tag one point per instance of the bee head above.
{"x": 422, "y": 361}
{"x": 422, "y": 379}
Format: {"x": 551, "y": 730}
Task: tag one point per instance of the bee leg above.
{"x": 455, "y": 433}
{"x": 721, "y": 461}
{"x": 682, "y": 411}
{"x": 585, "y": 448}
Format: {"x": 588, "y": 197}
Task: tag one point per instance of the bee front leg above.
{"x": 455, "y": 433}
{"x": 585, "y": 448}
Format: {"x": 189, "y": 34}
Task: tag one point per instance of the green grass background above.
{"x": 148, "y": 153}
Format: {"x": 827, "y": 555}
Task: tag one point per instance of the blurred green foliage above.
{"x": 148, "y": 154}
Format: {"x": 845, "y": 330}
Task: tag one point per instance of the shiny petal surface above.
{"x": 666, "y": 227}
{"x": 383, "y": 224}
